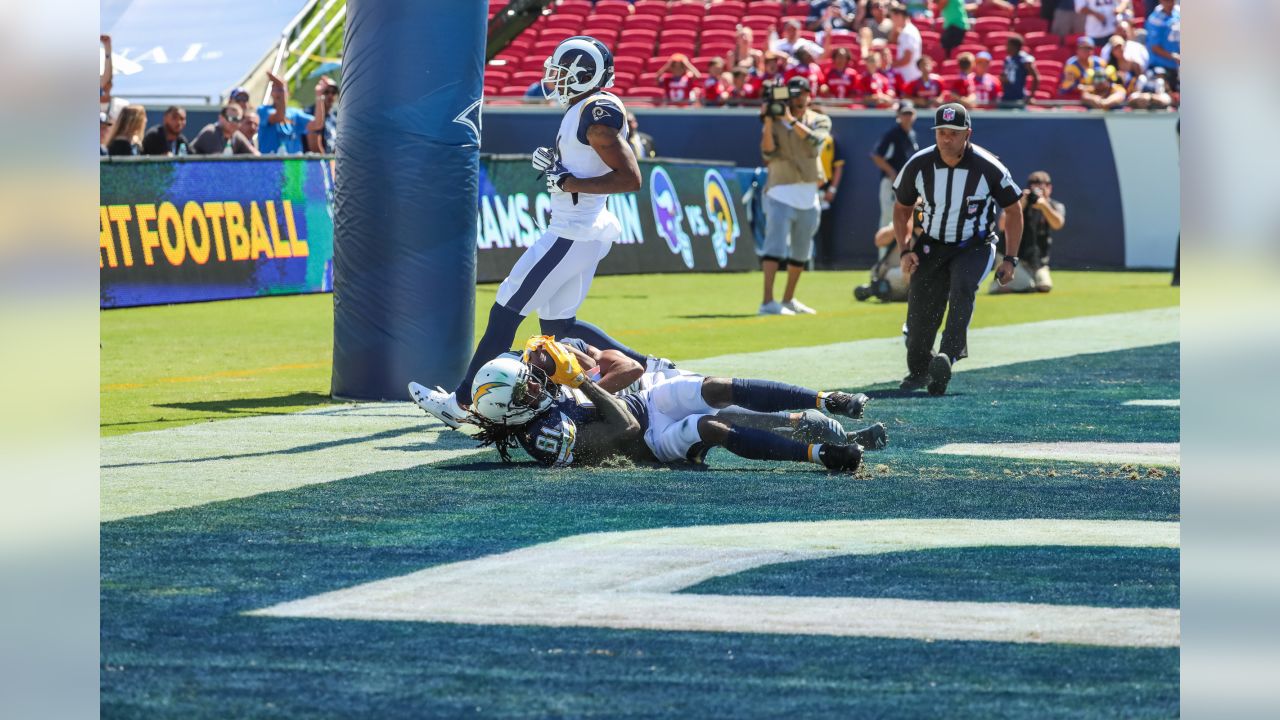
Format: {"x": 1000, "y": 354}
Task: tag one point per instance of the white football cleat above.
{"x": 775, "y": 308}
{"x": 798, "y": 307}
{"x": 439, "y": 404}
{"x": 657, "y": 364}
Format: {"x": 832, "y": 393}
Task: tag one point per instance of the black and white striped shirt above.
{"x": 961, "y": 204}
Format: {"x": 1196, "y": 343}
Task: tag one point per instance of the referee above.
{"x": 963, "y": 187}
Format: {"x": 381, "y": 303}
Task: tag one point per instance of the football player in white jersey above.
{"x": 590, "y": 161}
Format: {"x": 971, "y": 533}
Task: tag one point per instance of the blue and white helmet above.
{"x": 579, "y": 65}
{"x": 503, "y": 394}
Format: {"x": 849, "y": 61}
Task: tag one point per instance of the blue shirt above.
{"x": 897, "y": 146}
{"x": 287, "y": 135}
{"x": 1016, "y": 69}
{"x": 1164, "y": 30}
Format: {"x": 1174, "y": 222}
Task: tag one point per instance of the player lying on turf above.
{"x": 548, "y": 403}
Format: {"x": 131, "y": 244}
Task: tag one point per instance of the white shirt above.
{"x": 576, "y": 220}
{"x": 1093, "y": 27}
{"x": 801, "y": 196}
{"x": 788, "y": 47}
{"x": 909, "y": 45}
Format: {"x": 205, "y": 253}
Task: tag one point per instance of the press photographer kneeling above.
{"x": 791, "y": 142}
{"x": 1041, "y": 217}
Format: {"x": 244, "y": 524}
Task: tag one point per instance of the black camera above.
{"x": 776, "y": 98}
{"x": 1033, "y": 197}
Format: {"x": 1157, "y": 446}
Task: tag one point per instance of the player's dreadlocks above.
{"x": 501, "y": 437}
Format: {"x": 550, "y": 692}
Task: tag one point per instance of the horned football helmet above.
{"x": 502, "y": 394}
{"x": 579, "y": 64}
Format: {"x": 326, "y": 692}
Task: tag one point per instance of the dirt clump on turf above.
{"x": 617, "y": 462}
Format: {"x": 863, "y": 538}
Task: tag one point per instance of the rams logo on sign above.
{"x": 724, "y": 218}
{"x": 948, "y": 114}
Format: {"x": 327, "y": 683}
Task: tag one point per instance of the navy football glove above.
{"x": 546, "y": 162}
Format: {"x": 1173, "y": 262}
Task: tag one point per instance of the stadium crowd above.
{"x": 1034, "y": 54}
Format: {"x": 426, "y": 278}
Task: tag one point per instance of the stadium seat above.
{"x": 997, "y": 38}
{"x": 984, "y": 25}
{"x": 732, "y": 8}
{"x": 718, "y": 36}
{"x": 665, "y": 51}
{"x": 638, "y": 49}
{"x": 563, "y": 22}
{"x": 936, "y": 51}
{"x": 1025, "y": 10}
{"x": 572, "y": 7}
{"x": 1069, "y": 41}
{"x": 949, "y": 67}
{"x": 1039, "y": 38}
{"x": 628, "y": 64}
{"x": 693, "y": 23}
{"x": 720, "y": 22}
{"x": 693, "y": 8}
{"x": 620, "y": 8}
{"x": 689, "y": 36}
{"x": 652, "y": 64}
{"x": 1049, "y": 68}
{"x": 525, "y": 77}
{"x": 606, "y": 35}
{"x": 513, "y": 90}
{"x": 642, "y": 22}
{"x": 772, "y": 8}
{"x": 655, "y": 94}
{"x": 719, "y": 49}
{"x": 929, "y": 37}
{"x": 638, "y": 35}
{"x": 972, "y": 47}
{"x": 657, "y": 8}
{"x": 759, "y": 24}
{"x": 988, "y": 10}
{"x": 1027, "y": 25}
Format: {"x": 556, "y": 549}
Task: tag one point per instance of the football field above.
{"x": 1014, "y": 552}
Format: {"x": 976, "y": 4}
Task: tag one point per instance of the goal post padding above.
{"x": 405, "y": 195}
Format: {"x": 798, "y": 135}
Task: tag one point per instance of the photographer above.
{"x": 888, "y": 282}
{"x": 1042, "y": 215}
{"x": 791, "y": 142}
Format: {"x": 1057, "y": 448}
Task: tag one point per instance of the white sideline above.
{"x": 629, "y": 580}
{"x": 1176, "y": 402}
{"x": 150, "y": 472}
{"x": 1164, "y": 454}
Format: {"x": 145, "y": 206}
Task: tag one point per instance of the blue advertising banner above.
{"x": 184, "y": 230}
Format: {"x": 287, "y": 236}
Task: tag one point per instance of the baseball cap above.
{"x": 952, "y": 116}
{"x": 1085, "y": 41}
{"x": 905, "y": 107}
{"x": 798, "y": 85}
{"x": 239, "y": 92}
{"x": 793, "y": 23}
{"x": 984, "y": 55}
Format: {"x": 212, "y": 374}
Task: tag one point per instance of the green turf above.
{"x": 175, "y": 644}
{"x": 169, "y": 366}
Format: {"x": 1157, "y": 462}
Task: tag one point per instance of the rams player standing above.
{"x": 590, "y": 161}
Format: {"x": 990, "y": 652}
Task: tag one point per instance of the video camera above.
{"x": 776, "y": 97}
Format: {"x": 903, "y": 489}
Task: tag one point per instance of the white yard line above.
{"x": 630, "y": 580}
{"x": 1176, "y": 403}
{"x": 1166, "y": 454}
{"x": 152, "y": 472}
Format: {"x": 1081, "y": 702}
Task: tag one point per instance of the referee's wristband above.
{"x": 1012, "y": 260}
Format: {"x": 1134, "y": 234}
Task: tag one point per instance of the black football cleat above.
{"x": 875, "y": 437}
{"x": 939, "y": 374}
{"x": 814, "y": 427}
{"x": 914, "y": 382}
{"x": 840, "y": 458}
{"x": 863, "y": 293}
{"x": 849, "y": 405}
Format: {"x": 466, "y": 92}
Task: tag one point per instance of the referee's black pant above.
{"x": 946, "y": 280}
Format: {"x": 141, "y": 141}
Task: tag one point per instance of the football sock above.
{"x": 758, "y": 420}
{"x": 770, "y": 396}
{"x": 592, "y": 335}
{"x": 755, "y": 444}
{"x": 497, "y": 339}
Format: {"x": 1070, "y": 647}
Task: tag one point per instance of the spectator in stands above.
{"x": 1066, "y": 21}
{"x": 713, "y": 90}
{"x": 910, "y": 46}
{"x": 961, "y": 90}
{"x": 743, "y": 52}
{"x": 1077, "y": 67}
{"x": 791, "y": 40}
{"x": 775, "y": 65}
{"x": 104, "y": 132}
{"x": 876, "y": 25}
{"x": 126, "y": 135}
{"x": 1099, "y": 19}
{"x": 108, "y": 103}
{"x": 1042, "y": 216}
{"x": 745, "y": 87}
{"x": 926, "y": 90}
{"x": 282, "y": 127}
{"x": 791, "y": 147}
{"x": 1018, "y": 66}
{"x": 641, "y": 143}
{"x": 249, "y": 128}
{"x": 876, "y": 87}
{"x": 167, "y": 138}
{"x": 224, "y": 137}
{"x": 1149, "y": 90}
{"x": 955, "y": 22}
{"x": 677, "y": 77}
{"x": 986, "y": 87}
{"x": 1112, "y": 54}
{"x": 326, "y": 108}
{"x": 892, "y": 152}
{"x": 839, "y": 79}
{"x": 538, "y": 92}
{"x": 919, "y": 9}
{"x": 1164, "y": 40}
{"x": 806, "y": 68}
{"x": 1101, "y": 91}
{"x": 240, "y": 96}
{"x": 828, "y": 15}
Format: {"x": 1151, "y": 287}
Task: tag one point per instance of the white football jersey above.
{"x": 580, "y": 216}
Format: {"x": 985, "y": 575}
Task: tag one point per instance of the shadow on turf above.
{"x": 254, "y": 406}
{"x": 312, "y": 447}
{"x": 896, "y": 394}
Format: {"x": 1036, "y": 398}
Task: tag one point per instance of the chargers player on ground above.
{"x": 591, "y": 160}
{"x": 563, "y": 417}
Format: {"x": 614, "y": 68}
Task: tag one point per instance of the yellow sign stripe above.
{"x": 214, "y": 376}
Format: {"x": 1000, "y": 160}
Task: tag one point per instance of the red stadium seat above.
{"x": 631, "y": 65}
{"x": 641, "y": 49}
{"x": 620, "y": 8}
{"x": 1069, "y": 41}
{"x": 525, "y": 77}
{"x": 606, "y": 35}
{"x": 1049, "y": 68}
{"x": 623, "y": 79}
{"x": 929, "y": 37}
{"x": 689, "y": 36}
{"x": 573, "y": 7}
{"x": 716, "y": 49}
{"x": 654, "y": 63}
{"x": 732, "y": 8}
{"x": 642, "y": 22}
{"x": 720, "y": 22}
{"x": 513, "y": 90}
{"x": 718, "y": 36}
{"x": 491, "y": 90}
{"x": 1043, "y": 95}
{"x": 949, "y": 67}
{"x": 1039, "y": 38}
{"x": 759, "y": 23}
{"x": 989, "y": 10}
{"x": 936, "y": 51}
{"x": 563, "y": 22}
{"x": 638, "y": 35}
{"x": 984, "y": 25}
{"x": 997, "y": 38}
{"x": 682, "y": 22}
{"x": 1027, "y": 25}
{"x": 772, "y": 8}
{"x": 651, "y": 7}
{"x": 972, "y": 47}
{"x": 655, "y": 94}
{"x": 669, "y": 49}
{"x": 694, "y": 8}
{"x": 1025, "y": 10}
